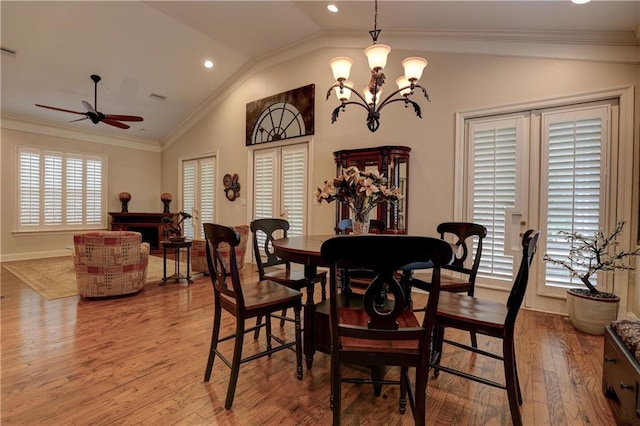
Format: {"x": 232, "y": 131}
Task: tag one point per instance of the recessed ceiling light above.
{"x": 580, "y": 1}
{"x": 332, "y": 8}
{"x": 208, "y": 64}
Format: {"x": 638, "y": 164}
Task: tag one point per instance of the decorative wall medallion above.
{"x": 231, "y": 186}
{"x": 282, "y": 116}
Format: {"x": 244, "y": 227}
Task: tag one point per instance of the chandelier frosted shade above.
{"x": 341, "y": 67}
{"x": 368, "y": 96}
{"x": 413, "y": 67}
{"x": 344, "y": 93}
{"x": 377, "y": 56}
{"x": 404, "y": 86}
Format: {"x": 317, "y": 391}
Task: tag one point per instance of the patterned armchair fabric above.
{"x": 199, "y": 254}
{"x": 110, "y": 263}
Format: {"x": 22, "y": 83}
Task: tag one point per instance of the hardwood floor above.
{"x": 141, "y": 360}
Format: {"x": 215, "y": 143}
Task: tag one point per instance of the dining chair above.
{"x": 359, "y": 278}
{"x": 467, "y": 238}
{"x": 270, "y": 266}
{"x": 469, "y": 313}
{"x": 379, "y": 332}
{"x": 245, "y": 301}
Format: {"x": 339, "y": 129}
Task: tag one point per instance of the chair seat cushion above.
{"x": 629, "y": 333}
{"x": 359, "y": 317}
{"x": 480, "y": 312}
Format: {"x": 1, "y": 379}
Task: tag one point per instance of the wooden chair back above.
{"x": 383, "y": 255}
{"x": 226, "y": 282}
{"x": 516, "y": 296}
{"x": 270, "y": 229}
{"x": 464, "y": 235}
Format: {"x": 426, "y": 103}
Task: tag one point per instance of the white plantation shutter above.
{"x": 198, "y": 194}
{"x": 188, "y": 194}
{"x": 53, "y": 189}
{"x": 75, "y": 190}
{"x": 280, "y": 185}
{"x": 29, "y": 189}
{"x": 207, "y": 192}
{"x": 574, "y": 174}
{"x": 60, "y": 190}
{"x": 493, "y": 156}
{"x": 264, "y": 183}
{"x": 93, "y": 191}
{"x": 294, "y": 182}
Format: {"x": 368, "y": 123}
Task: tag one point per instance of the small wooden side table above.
{"x": 176, "y": 245}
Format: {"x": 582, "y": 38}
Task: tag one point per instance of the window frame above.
{"x": 65, "y": 155}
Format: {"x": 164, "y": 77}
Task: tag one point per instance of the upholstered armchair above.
{"x": 110, "y": 263}
{"x": 199, "y": 255}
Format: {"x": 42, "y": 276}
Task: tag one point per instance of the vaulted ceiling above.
{"x": 141, "y": 49}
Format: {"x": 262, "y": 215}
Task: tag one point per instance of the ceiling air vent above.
{"x": 157, "y": 97}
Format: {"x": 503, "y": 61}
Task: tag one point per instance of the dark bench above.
{"x": 621, "y": 367}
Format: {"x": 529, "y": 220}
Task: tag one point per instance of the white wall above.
{"x": 134, "y": 169}
{"x": 456, "y": 82}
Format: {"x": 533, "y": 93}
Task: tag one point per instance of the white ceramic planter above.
{"x": 591, "y": 314}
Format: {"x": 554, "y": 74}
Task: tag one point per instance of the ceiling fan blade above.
{"x": 115, "y": 123}
{"x": 123, "y": 117}
{"x": 79, "y": 119}
{"x": 60, "y": 109}
{"x": 88, "y": 107}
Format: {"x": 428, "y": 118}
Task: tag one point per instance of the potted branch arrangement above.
{"x": 589, "y": 308}
{"x": 172, "y": 229}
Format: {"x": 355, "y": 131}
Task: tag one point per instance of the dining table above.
{"x": 305, "y": 250}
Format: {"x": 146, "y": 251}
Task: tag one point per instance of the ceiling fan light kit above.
{"x": 94, "y": 115}
{"x": 370, "y": 98}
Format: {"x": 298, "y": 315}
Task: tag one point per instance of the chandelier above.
{"x": 371, "y": 95}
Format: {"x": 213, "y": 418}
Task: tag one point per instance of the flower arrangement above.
{"x": 590, "y": 254}
{"x": 361, "y": 190}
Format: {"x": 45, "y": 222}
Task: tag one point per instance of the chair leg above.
{"x": 235, "y": 365}
{"x": 474, "y": 339}
{"x": 511, "y": 379}
{"x": 422, "y": 377}
{"x": 215, "y": 335}
{"x": 323, "y": 284}
{"x": 284, "y": 314}
{"x": 335, "y": 388}
{"x": 404, "y": 371}
{"x": 515, "y": 369}
{"x": 297, "y": 310}
{"x": 256, "y": 333}
{"x": 438, "y": 342}
{"x": 267, "y": 321}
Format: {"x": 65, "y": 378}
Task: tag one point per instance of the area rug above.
{"x": 55, "y": 278}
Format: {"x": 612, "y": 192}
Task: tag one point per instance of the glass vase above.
{"x": 361, "y": 222}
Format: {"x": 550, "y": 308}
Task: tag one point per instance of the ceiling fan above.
{"x": 96, "y": 116}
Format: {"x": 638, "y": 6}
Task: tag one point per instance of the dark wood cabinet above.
{"x": 393, "y": 163}
{"x": 148, "y": 224}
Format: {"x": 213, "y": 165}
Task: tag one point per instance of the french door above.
{"x": 198, "y": 194}
{"x": 280, "y": 182}
{"x": 546, "y": 169}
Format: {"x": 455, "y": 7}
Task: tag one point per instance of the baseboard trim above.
{"x": 34, "y": 255}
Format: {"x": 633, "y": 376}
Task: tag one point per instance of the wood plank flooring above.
{"x": 141, "y": 360}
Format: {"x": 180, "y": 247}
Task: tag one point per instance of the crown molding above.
{"x": 19, "y": 123}
{"x": 595, "y": 46}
